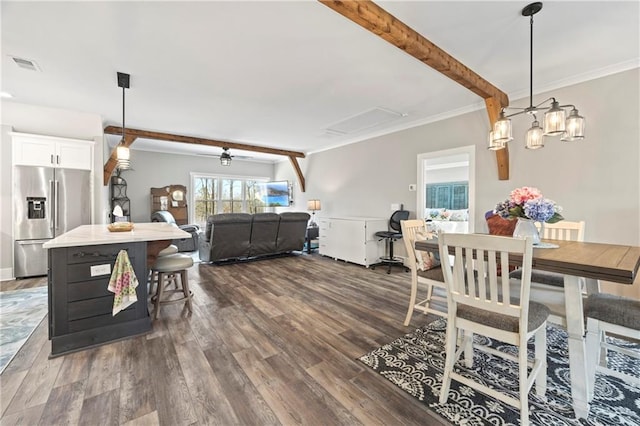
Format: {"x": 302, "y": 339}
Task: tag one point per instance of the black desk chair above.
{"x": 394, "y": 233}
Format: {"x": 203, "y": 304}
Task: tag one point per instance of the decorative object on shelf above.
{"x": 123, "y": 155}
{"x": 528, "y": 206}
{"x": 556, "y": 123}
{"x": 313, "y": 206}
{"x": 225, "y": 157}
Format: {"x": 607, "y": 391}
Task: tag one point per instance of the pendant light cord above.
{"x": 123, "y": 125}
{"x": 530, "y": 63}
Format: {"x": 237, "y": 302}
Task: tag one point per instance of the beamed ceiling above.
{"x": 285, "y": 75}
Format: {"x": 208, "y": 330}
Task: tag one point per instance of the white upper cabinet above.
{"x": 48, "y": 151}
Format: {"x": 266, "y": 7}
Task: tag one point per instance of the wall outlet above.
{"x": 413, "y": 187}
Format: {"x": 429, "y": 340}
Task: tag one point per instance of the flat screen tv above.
{"x": 276, "y": 194}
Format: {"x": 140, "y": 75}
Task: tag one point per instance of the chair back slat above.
{"x": 563, "y": 230}
{"x": 482, "y": 274}
{"x": 504, "y": 278}
{"x": 493, "y": 272}
{"x": 468, "y": 284}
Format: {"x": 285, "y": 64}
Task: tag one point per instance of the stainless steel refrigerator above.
{"x": 47, "y": 202}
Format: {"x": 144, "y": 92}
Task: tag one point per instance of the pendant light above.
{"x": 123, "y": 154}
{"x": 555, "y": 121}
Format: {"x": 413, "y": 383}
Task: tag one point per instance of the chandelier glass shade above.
{"x": 555, "y": 119}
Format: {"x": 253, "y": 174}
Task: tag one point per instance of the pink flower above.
{"x": 520, "y": 196}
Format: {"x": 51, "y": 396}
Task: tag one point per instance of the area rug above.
{"x": 20, "y": 313}
{"x": 415, "y": 364}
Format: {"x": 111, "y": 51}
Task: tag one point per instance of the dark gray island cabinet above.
{"x": 80, "y": 306}
{"x": 80, "y": 265}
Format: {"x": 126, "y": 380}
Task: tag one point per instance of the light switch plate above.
{"x": 412, "y": 187}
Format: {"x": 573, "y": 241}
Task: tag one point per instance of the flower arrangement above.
{"x": 528, "y": 203}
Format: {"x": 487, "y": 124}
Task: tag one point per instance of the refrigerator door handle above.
{"x": 30, "y": 242}
{"x": 57, "y": 201}
{"x": 52, "y": 207}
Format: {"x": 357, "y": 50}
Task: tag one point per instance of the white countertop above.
{"x": 90, "y": 235}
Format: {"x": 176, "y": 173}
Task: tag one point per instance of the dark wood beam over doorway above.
{"x": 380, "y": 22}
{"x": 145, "y": 134}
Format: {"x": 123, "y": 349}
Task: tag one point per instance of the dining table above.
{"x": 579, "y": 262}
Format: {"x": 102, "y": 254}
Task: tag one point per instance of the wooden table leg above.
{"x": 577, "y": 351}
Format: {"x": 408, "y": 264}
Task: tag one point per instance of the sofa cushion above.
{"x": 264, "y": 233}
{"x": 231, "y": 235}
{"x": 293, "y": 226}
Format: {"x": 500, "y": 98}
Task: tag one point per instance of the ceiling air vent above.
{"x": 364, "y": 120}
{"x": 26, "y": 63}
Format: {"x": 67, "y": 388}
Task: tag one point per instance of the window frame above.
{"x": 217, "y": 191}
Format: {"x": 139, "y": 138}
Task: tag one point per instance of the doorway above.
{"x": 446, "y": 180}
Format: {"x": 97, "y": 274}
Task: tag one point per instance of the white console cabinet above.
{"x": 352, "y": 238}
{"x": 50, "y": 151}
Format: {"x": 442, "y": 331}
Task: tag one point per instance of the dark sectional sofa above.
{"x": 243, "y": 235}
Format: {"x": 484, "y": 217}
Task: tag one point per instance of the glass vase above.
{"x": 527, "y": 228}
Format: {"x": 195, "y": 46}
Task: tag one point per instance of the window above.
{"x": 448, "y": 195}
{"x": 215, "y": 194}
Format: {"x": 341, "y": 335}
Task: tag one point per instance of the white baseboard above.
{"x": 6, "y": 274}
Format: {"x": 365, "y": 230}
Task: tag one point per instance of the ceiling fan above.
{"x": 225, "y": 157}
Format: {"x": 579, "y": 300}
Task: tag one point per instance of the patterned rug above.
{"x": 415, "y": 364}
{"x": 20, "y": 313}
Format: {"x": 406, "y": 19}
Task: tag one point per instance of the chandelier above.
{"x": 556, "y": 122}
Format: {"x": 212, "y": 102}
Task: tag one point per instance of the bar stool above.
{"x": 153, "y": 276}
{"x": 169, "y": 268}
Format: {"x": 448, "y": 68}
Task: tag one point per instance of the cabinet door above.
{"x": 33, "y": 152}
{"x": 73, "y": 155}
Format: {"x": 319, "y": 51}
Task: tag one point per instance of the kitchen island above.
{"x": 80, "y": 265}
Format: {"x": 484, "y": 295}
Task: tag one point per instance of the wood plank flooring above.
{"x": 269, "y": 342}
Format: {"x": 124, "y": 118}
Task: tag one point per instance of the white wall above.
{"x": 451, "y": 174}
{"x": 596, "y": 180}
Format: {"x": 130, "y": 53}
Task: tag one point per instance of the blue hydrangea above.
{"x": 539, "y": 209}
{"x": 503, "y": 208}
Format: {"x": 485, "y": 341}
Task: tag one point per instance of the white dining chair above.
{"x": 548, "y": 287}
{"x": 606, "y": 313}
{"x": 481, "y": 301}
{"x": 430, "y": 279}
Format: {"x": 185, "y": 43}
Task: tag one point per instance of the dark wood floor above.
{"x": 269, "y": 342}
